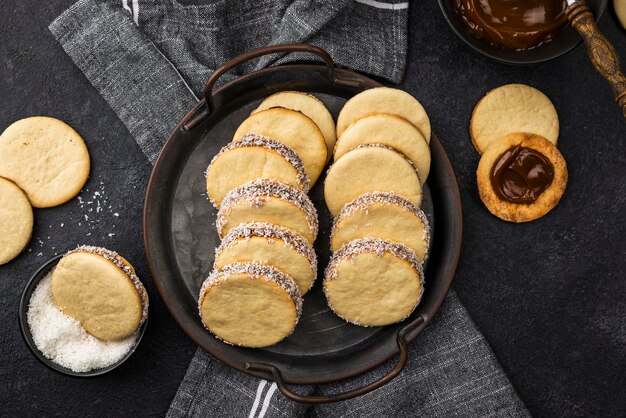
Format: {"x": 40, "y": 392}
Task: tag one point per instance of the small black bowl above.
{"x": 28, "y": 337}
{"x": 564, "y": 42}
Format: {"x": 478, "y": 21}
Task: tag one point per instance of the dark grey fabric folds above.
{"x": 149, "y": 60}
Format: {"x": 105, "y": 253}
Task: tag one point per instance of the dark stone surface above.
{"x": 549, "y": 295}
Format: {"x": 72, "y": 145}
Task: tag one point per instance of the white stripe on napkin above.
{"x": 381, "y": 5}
{"x": 259, "y": 391}
{"x": 268, "y": 398}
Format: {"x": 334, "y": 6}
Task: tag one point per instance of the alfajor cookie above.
{"x": 46, "y": 158}
{"x": 310, "y": 106}
{"x": 513, "y": 108}
{"x": 371, "y": 282}
{"x": 387, "y": 216}
{"x": 99, "y": 289}
{"x": 16, "y": 220}
{"x": 370, "y": 168}
{"x": 620, "y": 11}
{"x": 273, "y": 245}
{"x": 269, "y": 201}
{"x": 253, "y": 157}
{"x": 293, "y": 129}
{"x": 250, "y": 304}
{"x": 392, "y": 131}
{"x": 521, "y": 177}
{"x": 384, "y": 100}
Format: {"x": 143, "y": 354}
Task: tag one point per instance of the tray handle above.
{"x": 331, "y": 74}
{"x": 274, "y": 374}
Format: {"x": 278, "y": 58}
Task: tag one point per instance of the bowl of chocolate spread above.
{"x": 515, "y": 31}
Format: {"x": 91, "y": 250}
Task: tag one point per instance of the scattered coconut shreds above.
{"x": 257, "y": 192}
{"x": 64, "y": 340}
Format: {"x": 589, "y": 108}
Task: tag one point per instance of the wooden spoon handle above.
{"x": 602, "y": 54}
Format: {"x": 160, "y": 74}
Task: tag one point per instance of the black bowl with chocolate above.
{"x": 515, "y": 31}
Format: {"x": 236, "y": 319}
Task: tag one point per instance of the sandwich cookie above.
{"x": 370, "y": 168}
{"x": 250, "y": 304}
{"x": 271, "y": 245}
{"x": 16, "y": 220}
{"x": 521, "y": 177}
{"x": 253, "y": 157}
{"x": 99, "y": 289}
{"x": 384, "y": 100}
{"x": 371, "y": 282}
{"x": 386, "y": 216}
{"x": 269, "y": 201}
{"x": 310, "y": 106}
{"x": 509, "y": 109}
{"x": 293, "y": 129}
{"x": 46, "y": 158}
{"x": 392, "y": 131}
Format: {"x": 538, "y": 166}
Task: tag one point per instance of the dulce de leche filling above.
{"x": 514, "y": 24}
{"x": 521, "y": 174}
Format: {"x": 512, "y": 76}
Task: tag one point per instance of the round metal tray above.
{"x": 180, "y": 234}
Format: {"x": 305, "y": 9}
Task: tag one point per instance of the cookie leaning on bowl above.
{"x": 100, "y": 289}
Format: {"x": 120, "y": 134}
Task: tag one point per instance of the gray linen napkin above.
{"x": 149, "y": 60}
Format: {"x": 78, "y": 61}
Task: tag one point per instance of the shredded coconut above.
{"x": 64, "y": 340}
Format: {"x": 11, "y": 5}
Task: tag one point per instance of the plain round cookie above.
{"x": 516, "y": 212}
{"x": 513, "y": 108}
{"x": 293, "y": 129}
{"x": 620, "y": 11}
{"x": 269, "y": 201}
{"x": 16, "y": 220}
{"x": 273, "y": 245}
{"x": 386, "y": 216}
{"x": 384, "y": 100}
{"x": 310, "y": 106}
{"x": 100, "y": 290}
{"x": 249, "y": 304}
{"x": 46, "y": 158}
{"x": 370, "y": 168}
{"x": 371, "y": 282}
{"x": 392, "y": 131}
{"x": 250, "y": 158}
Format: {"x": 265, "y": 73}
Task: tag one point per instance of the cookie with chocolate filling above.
{"x": 310, "y": 106}
{"x": 392, "y": 131}
{"x": 100, "y": 289}
{"x": 250, "y": 304}
{"x": 384, "y": 100}
{"x": 387, "y": 216}
{"x": 273, "y": 245}
{"x": 269, "y": 201}
{"x": 253, "y": 157}
{"x": 521, "y": 177}
{"x": 293, "y": 129}
{"x": 372, "y": 282}
{"x": 370, "y": 168}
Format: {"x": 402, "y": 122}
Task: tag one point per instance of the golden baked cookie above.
{"x": 253, "y": 157}
{"x": 370, "y": 168}
{"x": 16, "y": 220}
{"x": 371, "y": 282}
{"x": 100, "y": 290}
{"x": 392, "y": 131}
{"x": 620, "y": 11}
{"x": 513, "y": 108}
{"x": 46, "y": 158}
{"x": 273, "y": 245}
{"x": 384, "y": 100}
{"x": 387, "y": 216}
{"x": 249, "y": 304}
{"x": 521, "y": 177}
{"x": 293, "y": 129}
{"x": 310, "y": 106}
{"x": 269, "y": 201}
